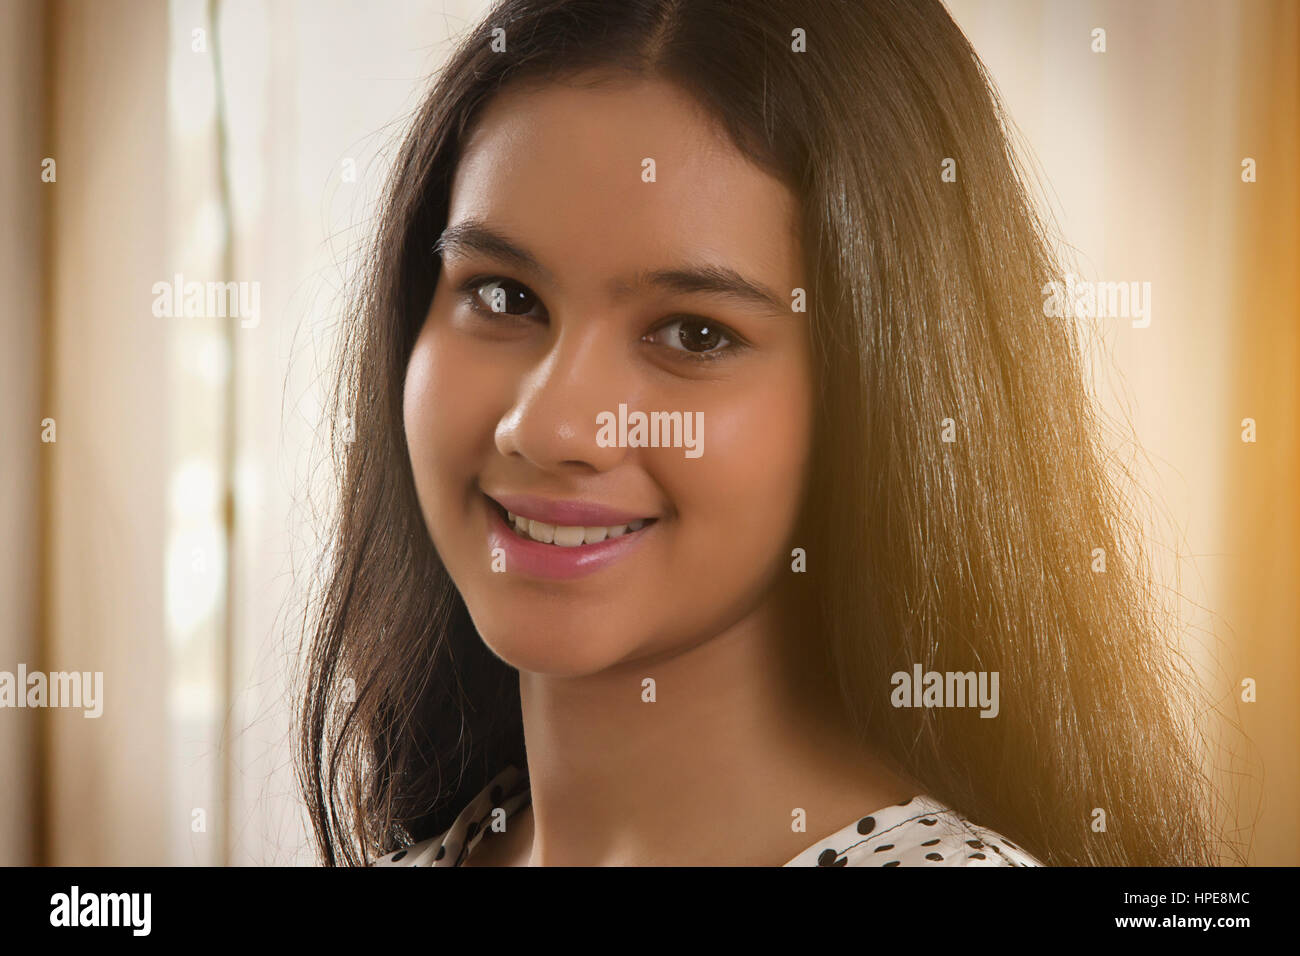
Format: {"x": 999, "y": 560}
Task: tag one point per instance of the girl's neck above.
{"x": 708, "y": 764}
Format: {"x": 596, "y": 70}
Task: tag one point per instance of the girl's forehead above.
{"x": 609, "y": 175}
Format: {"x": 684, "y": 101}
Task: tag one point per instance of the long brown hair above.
{"x": 926, "y": 305}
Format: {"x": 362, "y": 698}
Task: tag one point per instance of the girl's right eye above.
{"x": 498, "y": 296}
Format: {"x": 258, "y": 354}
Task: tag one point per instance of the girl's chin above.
{"x": 555, "y": 653}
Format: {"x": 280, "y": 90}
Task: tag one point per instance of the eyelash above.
{"x": 469, "y": 293}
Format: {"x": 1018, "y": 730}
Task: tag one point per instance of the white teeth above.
{"x": 570, "y": 536}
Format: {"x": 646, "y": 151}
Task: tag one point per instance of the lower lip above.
{"x": 526, "y": 556}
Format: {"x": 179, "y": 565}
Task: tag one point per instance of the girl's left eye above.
{"x": 698, "y": 338}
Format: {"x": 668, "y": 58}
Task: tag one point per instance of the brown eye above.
{"x": 504, "y": 297}
{"x": 699, "y": 336}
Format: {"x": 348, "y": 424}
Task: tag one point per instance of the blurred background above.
{"x": 155, "y": 519}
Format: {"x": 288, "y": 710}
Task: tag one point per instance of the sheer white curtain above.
{"x": 190, "y": 763}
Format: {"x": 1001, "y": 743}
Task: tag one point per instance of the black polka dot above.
{"x": 891, "y": 863}
{"x": 975, "y": 843}
{"x": 906, "y": 802}
{"x": 883, "y": 847}
{"x": 933, "y": 856}
{"x": 995, "y": 849}
{"x": 827, "y": 858}
{"x": 929, "y": 822}
{"x": 469, "y": 834}
{"x": 442, "y": 851}
{"x": 930, "y": 842}
{"x": 398, "y": 855}
{"x": 978, "y": 856}
{"x": 866, "y": 825}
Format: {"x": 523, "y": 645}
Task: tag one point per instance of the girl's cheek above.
{"x": 420, "y": 433}
{"x": 436, "y": 399}
{"x": 444, "y": 389}
{"x": 746, "y": 485}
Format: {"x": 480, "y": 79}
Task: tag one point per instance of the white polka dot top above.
{"x": 918, "y": 832}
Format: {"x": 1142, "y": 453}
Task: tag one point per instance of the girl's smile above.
{"x": 562, "y": 539}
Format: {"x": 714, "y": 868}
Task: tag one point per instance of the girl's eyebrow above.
{"x": 710, "y": 280}
{"x": 473, "y": 235}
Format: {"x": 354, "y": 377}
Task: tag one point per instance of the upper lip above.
{"x": 570, "y": 513}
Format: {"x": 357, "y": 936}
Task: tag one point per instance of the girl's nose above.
{"x": 553, "y": 422}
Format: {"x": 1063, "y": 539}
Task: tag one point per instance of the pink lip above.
{"x": 525, "y": 556}
{"x": 570, "y": 513}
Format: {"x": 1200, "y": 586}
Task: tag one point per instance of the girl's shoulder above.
{"x": 918, "y": 832}
{"x": 921, "y": 831}
{"x": 506, "y": 792}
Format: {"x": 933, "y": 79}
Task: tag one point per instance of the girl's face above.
{"x": 609, "y": 255}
